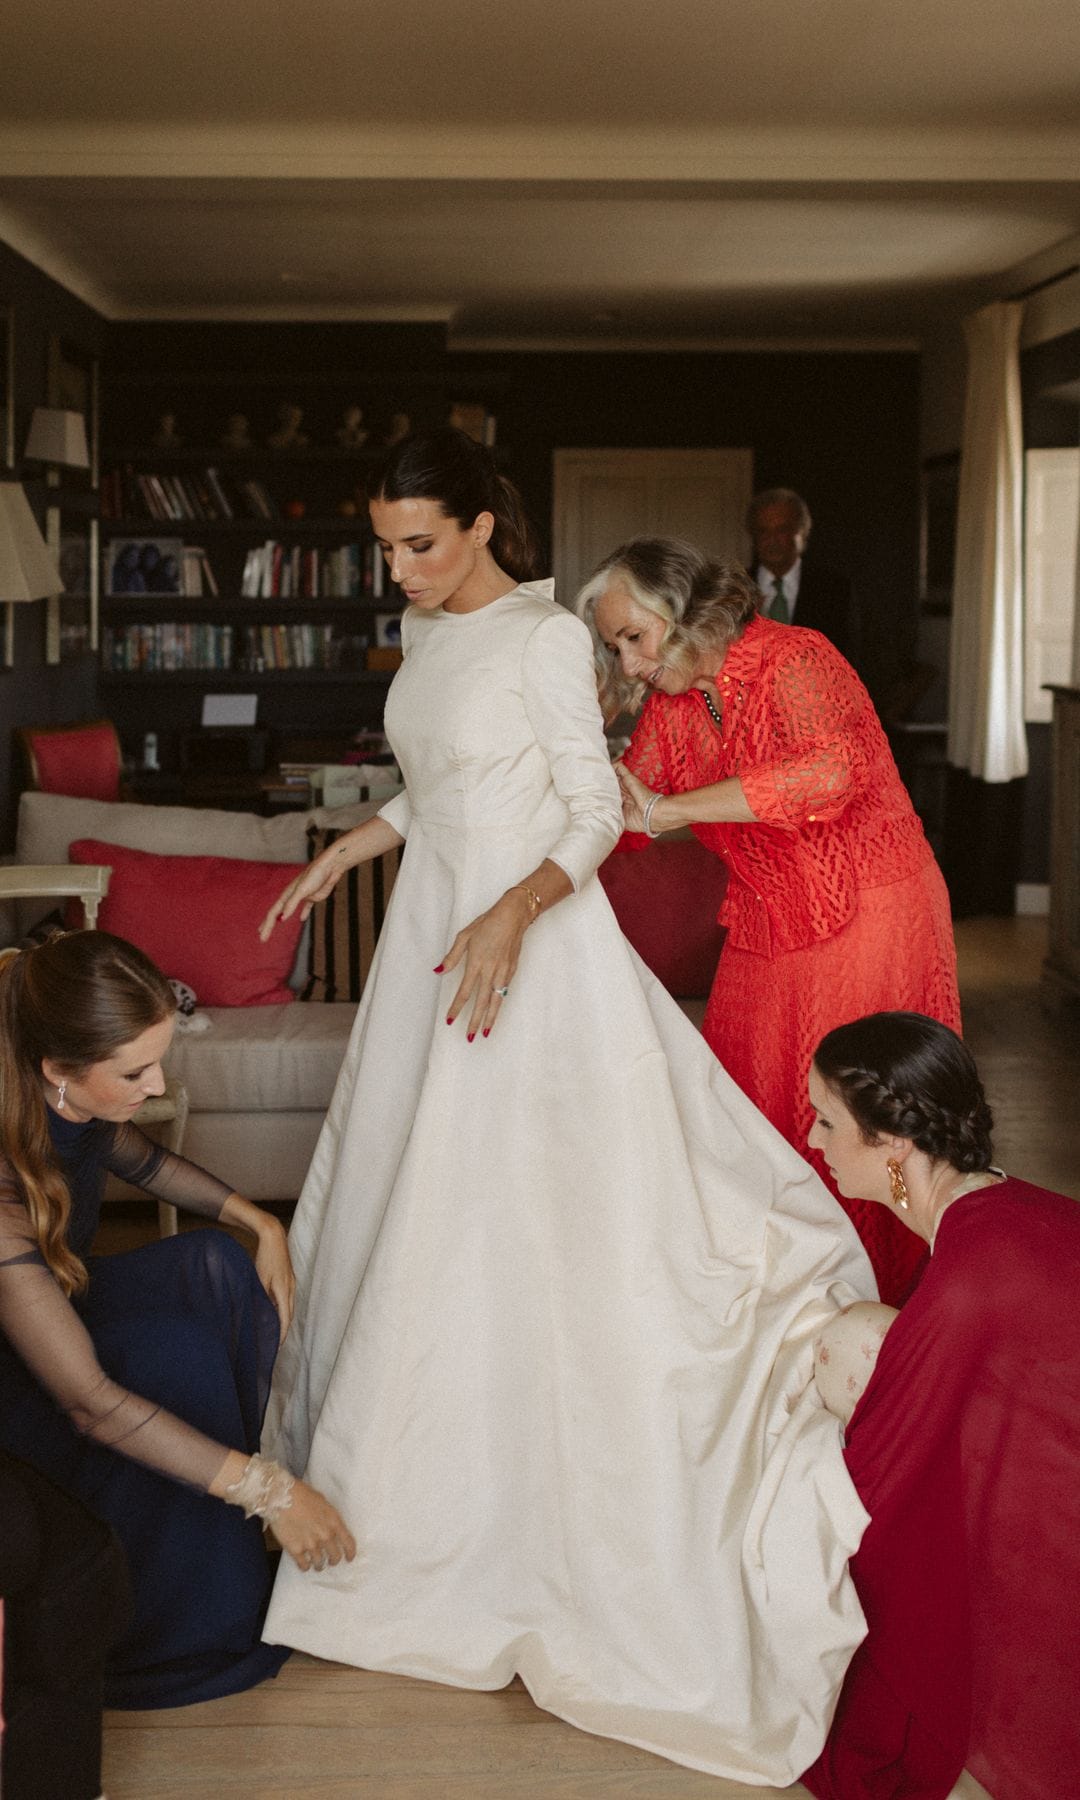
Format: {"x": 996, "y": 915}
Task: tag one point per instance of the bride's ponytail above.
{"x": 450, "y": 468}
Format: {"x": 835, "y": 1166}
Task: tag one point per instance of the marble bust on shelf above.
{"x": 237, "y": 433}
{"x": 165, "y": 437}
{"x": 288, "y": 435}
{"x": 351, "y": 434}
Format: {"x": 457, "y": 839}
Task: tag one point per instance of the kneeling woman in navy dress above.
{"x": 137, "y": 1382}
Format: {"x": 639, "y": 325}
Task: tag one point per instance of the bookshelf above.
{"x": 253, "y": 571}
{"x": 271, "y": 581}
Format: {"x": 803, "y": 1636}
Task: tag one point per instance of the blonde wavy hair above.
{"x": 76, "y": 999}
{"x": 704, "y": 605}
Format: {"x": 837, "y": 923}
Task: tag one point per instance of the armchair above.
{"x": 82, "y": 759}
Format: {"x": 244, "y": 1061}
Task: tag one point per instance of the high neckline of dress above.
{"x": 544, "y": 589}
{"x": 63, "y": 1130}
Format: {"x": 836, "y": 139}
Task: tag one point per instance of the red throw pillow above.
{"x": 666, "y": 899}
{"x": 198, "y": 918}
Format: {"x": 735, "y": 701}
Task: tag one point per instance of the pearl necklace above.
{"x": 716, "y": 716}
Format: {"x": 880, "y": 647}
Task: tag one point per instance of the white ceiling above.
{"x": 577, "y": 171}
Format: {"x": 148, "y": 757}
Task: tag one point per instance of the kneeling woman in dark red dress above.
{"x": 965, "y": 1445}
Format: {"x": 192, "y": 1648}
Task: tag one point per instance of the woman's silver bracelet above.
{"x": 646, "y": 817}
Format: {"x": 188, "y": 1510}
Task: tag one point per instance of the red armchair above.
{"x": 82, "y": 759}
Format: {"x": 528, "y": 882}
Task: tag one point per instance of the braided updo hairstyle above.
{"x": 704, "y": 604}
{"x": 449, "y": 467}
{"x": 902, "y": 1074}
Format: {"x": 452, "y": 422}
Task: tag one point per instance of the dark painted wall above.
{"x": 32, "y": 692}
{"x": 840, "y": 428}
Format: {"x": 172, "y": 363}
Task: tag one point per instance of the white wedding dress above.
{"x": 558, "y": 1290}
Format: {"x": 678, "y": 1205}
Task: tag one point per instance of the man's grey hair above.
{"x": 779, "y": 497}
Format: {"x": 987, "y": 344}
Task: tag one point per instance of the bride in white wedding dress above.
{"x": 558, "y": 1280}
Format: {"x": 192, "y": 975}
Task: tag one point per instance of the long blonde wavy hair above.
{"x": 76, "y": 999}
{"x": 704, "y": 604}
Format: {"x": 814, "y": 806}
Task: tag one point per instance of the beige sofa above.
{"x": 260, "y": 1078}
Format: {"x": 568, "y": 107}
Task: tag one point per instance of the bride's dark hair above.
{"x": 449, "y": 467}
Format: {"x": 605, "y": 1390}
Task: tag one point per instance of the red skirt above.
{"x": 767, "y": 1015}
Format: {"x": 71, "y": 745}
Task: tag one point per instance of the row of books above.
{"x": 128, "y": 494}
{"x": 196, "y": 573}
{"x": 294, "y": 572}
{"x": 170, "y": 647}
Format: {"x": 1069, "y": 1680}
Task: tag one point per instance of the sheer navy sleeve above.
{"x": 45, "y": 1330}
{"x": 131, "y": 1155}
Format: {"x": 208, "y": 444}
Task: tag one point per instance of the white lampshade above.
{"x": 28, "y": 568}
{"x": 58, "y": 437}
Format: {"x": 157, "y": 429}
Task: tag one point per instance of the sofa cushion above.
{"x": 198, "y": 918}
{"x": 263, "y": 1059}
{"x": 48, "y": 823}
{"x": 345, "y": 926}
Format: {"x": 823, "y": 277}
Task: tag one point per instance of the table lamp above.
{"x": 28, "y": 568}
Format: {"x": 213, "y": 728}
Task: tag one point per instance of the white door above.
{"x": 1051, "y": 518}
{"x": 603, "y": 497}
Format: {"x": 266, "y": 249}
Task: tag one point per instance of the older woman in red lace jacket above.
{"x": 763, "y": 740}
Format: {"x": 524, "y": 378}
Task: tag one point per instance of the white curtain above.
{"x": 986, "y": 659}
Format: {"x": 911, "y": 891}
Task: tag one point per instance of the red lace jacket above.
{"x": 801, "y": 733}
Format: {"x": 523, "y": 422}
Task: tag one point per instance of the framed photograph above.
{"x": 7, "y": 386}
{"x": 151, "y": 566}
{"x": 71, "y": 618}
{"x": 72, "y": 383}
{"x": 939, "y": 494}
{"x": 388, "y": 630}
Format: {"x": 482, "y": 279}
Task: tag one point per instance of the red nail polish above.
{"x": 470, "y": 1037}
{"x": 449, "y": 1019}
{"x": 487, "y": 1030}
{"x": 438, "y": 969}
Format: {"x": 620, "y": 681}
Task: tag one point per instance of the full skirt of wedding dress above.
{"x": 558, "y": 1291}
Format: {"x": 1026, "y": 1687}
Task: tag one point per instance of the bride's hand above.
{"x": 316, "y": 882}
{"x": 489, "y": 949}
{"x": 635, "y": 798}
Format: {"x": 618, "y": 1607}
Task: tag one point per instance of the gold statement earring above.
{"x": 60, "y": 1092}
{"x": 897, "y": 1184}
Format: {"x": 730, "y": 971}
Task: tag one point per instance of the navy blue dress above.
{"x": 129, "y": 1397}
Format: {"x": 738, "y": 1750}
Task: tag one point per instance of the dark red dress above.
{"x": 834, "y": 906}
{"x": 965, "y": 1450}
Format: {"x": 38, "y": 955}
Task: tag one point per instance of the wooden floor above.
{"x": 322, "y": 1731}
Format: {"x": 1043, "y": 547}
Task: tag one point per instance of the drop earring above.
{"x": 897, "y": 1184}
{"x": 60, "y": 1092}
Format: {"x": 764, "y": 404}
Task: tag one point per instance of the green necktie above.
{"x": 777, "y": 607}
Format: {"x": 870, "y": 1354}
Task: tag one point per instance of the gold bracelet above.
{"x": 535, "y": 902}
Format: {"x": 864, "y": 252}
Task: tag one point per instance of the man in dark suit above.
{"x": 794, "y": 590}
